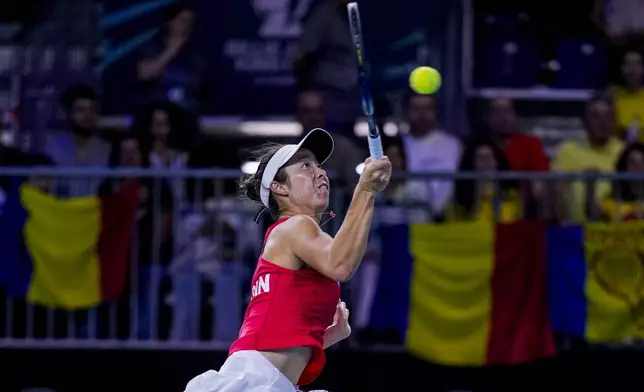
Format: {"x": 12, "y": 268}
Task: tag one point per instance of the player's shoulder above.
{"x": 299, "y": 225}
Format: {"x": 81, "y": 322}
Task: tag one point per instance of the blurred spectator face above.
{"x": 310, "y": 110}
{"x": 181, "y": 25}
{"x": 632, "y": 69}
{"x": 130, "y": 153}
{"x": 84, "y": 115}
{"x": 395, "y": 157}
{"x": 484, "y": 159}
{"x": 421, "y": 114}
{"x": 502, "y": 118}
{"x": 160, "y": 125}
{"x": 600, "y": 121}
{"x": 635, "y": 162}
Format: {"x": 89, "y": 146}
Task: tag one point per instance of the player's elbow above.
{"x": 341, "y": 265}
{"x": 337, "y": 268}
{"x": 344, "y": 277}
{"x": 337, "y": 273}
{"x": 341, "y": 273}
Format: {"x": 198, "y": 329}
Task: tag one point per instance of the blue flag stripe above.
{"x": 390, "y": 309}
{"x": 567, "y": 280}
{"x": 16, "y": 266}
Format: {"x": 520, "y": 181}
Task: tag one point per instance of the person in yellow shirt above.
{"x": 480, "y": 199}
{"x": 597, "y": 152}
{"x": 629, "y": 98}
{"x": 625, "y": 201}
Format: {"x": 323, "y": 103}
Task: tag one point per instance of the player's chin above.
{"x": 321, "y": 200}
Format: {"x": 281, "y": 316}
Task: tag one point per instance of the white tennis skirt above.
{"x": 244, "y": 371}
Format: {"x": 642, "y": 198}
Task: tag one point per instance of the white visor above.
{"x": 318, "y": 141}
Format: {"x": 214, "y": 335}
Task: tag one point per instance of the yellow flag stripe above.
{"x": 61, "y": 236}
{"x": 614, "y": 254}
{"x": 450, "y": 303}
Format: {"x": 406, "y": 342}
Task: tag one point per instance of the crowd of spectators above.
{"x": 185, "y": 236}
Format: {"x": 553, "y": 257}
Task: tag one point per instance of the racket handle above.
{"x": 375, "y": 147}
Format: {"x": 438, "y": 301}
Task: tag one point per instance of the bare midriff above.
{"x": 291, "y": 362}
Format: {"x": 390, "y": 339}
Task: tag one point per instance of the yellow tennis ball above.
{"x": 425, "y": 80}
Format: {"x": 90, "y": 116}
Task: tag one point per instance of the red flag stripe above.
{"x": 520, "y": 325}
{"x": 117, "y": 224}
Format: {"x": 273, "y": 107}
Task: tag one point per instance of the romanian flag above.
{"x": 596, "y": 278}
{"x": 66, "y": 253}
{"x": 476, "y": 292}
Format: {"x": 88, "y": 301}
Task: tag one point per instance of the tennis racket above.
{"x": 375, "y": 144}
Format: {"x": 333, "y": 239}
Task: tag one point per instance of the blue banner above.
{"x": 247, "y": 47}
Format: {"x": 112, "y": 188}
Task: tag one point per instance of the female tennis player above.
{"x": 295, "y": 310}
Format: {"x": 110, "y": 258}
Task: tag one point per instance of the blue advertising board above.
{"x": 248, "y": 45}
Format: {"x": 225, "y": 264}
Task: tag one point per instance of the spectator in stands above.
{"x": 310, "y": 111}
{"x": 165, "y": 133}
{"x": 80, "y": 145}
{"x": 346, "y": 156}
{"x": 212, "y": 234}
{"x": 597, "y": 153}
{"x": 195, "y": 256}
{"x": 326, "y": 61}
{"x": 401, "y": 191}
{"x": 524, "y": 152}
{"x": 626, "y": 198}
{"x": 629, "y": 97}
{"x": 169, "y": 68}
{"x": 428, "y": 148}
{"x": 154, "y": 229}
{"x": 483, "y": 199}
{"x": 201, "y": 253}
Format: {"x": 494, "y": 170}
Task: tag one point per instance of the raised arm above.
{"x": 339, "y": 257}
{"x": 150, "y": 68}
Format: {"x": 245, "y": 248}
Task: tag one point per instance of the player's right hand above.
{"x": 375, "y": 175}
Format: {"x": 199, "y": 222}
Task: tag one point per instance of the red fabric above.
{"x": 118, "y": 212}
{"x": 526, "y": 153}
{"x": 520, "y": 324}
{"x": 293, "y": 309}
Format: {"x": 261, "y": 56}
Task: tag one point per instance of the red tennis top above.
{"x": 288, "y": 308}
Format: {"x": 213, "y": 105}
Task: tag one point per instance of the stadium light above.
{"x": 250, "y": 167}
{"x": 361, "y": 129}
{"x": 271, "y": 128}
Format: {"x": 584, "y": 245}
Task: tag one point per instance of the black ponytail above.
{"x": 249, "y": 186}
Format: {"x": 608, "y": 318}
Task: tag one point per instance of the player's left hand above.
{"x": 340, "y": 329}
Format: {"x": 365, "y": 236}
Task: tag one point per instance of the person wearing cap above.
{"x": 295, "y": 311}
